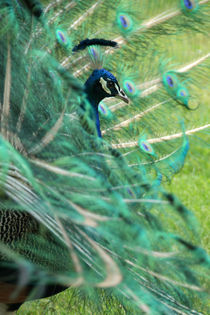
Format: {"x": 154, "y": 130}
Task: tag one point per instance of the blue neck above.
{"x": 94, "y": 103}
{"x": 97, "y": 121}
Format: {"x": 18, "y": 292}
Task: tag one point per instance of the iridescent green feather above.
{"x": 99, "y": 214}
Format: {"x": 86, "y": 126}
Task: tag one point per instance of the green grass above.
{"x": 191, "y": 185}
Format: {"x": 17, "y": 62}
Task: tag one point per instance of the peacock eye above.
{"x": 110, "y": 84}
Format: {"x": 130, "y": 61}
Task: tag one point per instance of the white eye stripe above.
{"x": 104, "y": 86}
{"x": 117, "y": 88}
{"x": 120, "y": 92}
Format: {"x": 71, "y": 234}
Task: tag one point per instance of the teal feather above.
{"x": 81, "y": 211}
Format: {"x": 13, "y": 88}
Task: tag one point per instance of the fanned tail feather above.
{"x": 92, "y": 213}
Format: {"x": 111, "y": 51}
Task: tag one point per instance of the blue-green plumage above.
{"x": 102, "y": 84}
{"x": 75, "y": 211}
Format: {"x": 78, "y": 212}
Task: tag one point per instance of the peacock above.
{"x": 97, "y": 105}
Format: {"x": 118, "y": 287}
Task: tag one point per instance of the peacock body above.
{"x": 89, "y": 130}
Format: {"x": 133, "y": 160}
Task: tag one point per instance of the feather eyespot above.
{"x": 124, "y": 22}
{"x": 131, "y": 192}
{"x": 170, "y": 80}
{"x": 129, "y": 87}
{"x": 175, "y": 88}
{"x": 189, "y": 6}
{"x": 104, "y": 110}
{"x": 146, "y": 147}
{"x": 183, "y": 95}
{"x": 62, "y": 38}
{"x": 93, "y": 52}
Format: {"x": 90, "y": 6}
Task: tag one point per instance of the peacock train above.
{"x": 98, "y": 100}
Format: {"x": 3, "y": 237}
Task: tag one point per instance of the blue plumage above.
{"x": 99, "y": 85}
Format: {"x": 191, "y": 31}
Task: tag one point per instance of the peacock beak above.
{"x": 121, "y": 95}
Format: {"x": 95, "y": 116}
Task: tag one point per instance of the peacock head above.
{"x": 102, "y": 84}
